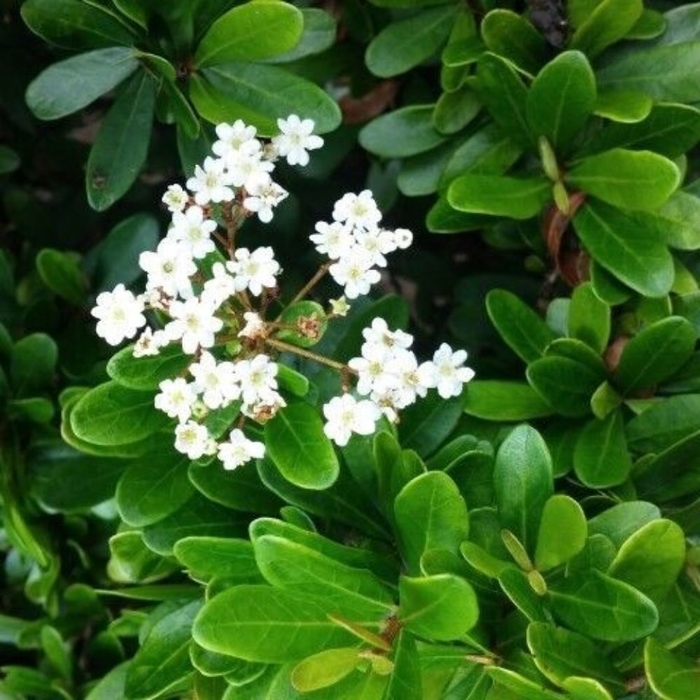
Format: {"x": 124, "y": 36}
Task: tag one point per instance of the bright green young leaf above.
{"x": 671, "y": 675}
{"x": 512, "y": 685}
{"x": 210, "y": 664}
{"x": 589, "y": 318}
{"x": 679, "y": 220}
{"x": 300, "y": 449}
{"x": 32, "y": 364}
{"x": 442, "y": 607}
{"x": 622, "y": 520}
{"x": 496, "y": 400}
{"x": 406, "y": 680}
{"x": 250, "y": 32}
{"x": 516, "y": 586}
{"x": 562, "y": 534}
{"x": 121, "y": 146}
{"x": 561, "y": 99}
{"x": 146, "y": 373}
{"x": 270, "y": 625}
{"x": 406, "y": 43}
{"x": 650, "y": 25}
{"x": 638, "y": 180}
{"x": 601, "y": 458}
{"x": 602, "y": 607}
{"x": 497, "y": 195}
{"x": 259, "y": 95}
{"x": 71, "y": 84}
{"x": 479, "y": 559}
{"x": 625, "y": 107}
{"x": 608, "y": 23}
{"x": 651, "y": 558}
{"x": 131, "y": 561}
{"x": 72, "y": 24}
{"x": 523, "y": 483}
{"x": 655, "y": 353}
{"x": 392, "y": 468}
{"x": 519, "y": 326}
{"x": 61, "y": 273}
{"x": 627, "y": 246}
{"x": 430, "y": 513}
{"x": 324, "y": 669}
{"x": 226, "y": 557}
{"x": 585, "y": 689}
{"x": 512, "y": 37}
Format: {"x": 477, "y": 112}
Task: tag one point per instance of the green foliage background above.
{"x": 536, "y": 537}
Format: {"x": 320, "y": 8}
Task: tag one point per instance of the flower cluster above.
{"x": 218, "y": 309}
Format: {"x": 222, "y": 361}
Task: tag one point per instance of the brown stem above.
{"x": 308, "y": 354}
{"x": 312, "y": 282}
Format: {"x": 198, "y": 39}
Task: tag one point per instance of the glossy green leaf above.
{"x": 324, "y": 669}
{"x": 622, "y": 520}
{"x": 665, "y": 423}
{"x": 512, "y": 37}
{"x": 516, "y": 586}
{"x": 406, "y": 43}
{"x": 146, "y": 373}
{"x": 270, "y": 625}
{"x": 71, "y": 84}
{"x": 454, "y": 110}
{"x": 406, "y": 680}
{"x": 562, "y": 534}
{"x": 61, "y": 273}
{"x": 430, "y": 513}
{"x": 392, "y": 468}
{"x": 513, "y": 686}
{"x": 589, "y": 318}
{"x": 609, "y": 22}
{"x": 625, "y": 107}
{"x": 523, "y": 483}
{"x": 320, "y": 29}
{"x": 626, "y": 246}
{"x": 497, "y": 400}
{"x": 226, "y": 557}
{"x": 678, "y": 221}
{"x": 561, "y": 99}
{"x": 131, "y": 561}
{"x": 442, "y": 607}
{"x": 300, "y": 449}
{"x": 671, "y": 675}
{"x": 464, "y": 45}
{"x": 427, "y": 423}
{"x": 250, "y": 32}
{"x": 655, "y": 353}
{"x": 602, "y": 607}
{"x": 32, "y": 364}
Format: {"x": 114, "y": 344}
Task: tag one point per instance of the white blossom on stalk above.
{"x": 235, "y": 138}
{"x": 149, "y": 343}
{"x": 358, "y": 210}
{"x": 254, "y": 326}
{"x": 375, "y": 371}
{"x": 450, "y": 373}
{"x": 194, "y": 324}
{"x": 378, "y": 334}
{"x": 247, "y": 170}
{"x": 216, "y": 382}
{"x": 211, "y": 182}
{"x": 376, "y": 243}
{"x": 403, "y": 238}
{"x": 254, "y": 271}
{"x": 193, "y": 440}
{"x": 263, "y": 197}
{"x": 257, "y": 379}
{"x": 334, "y": 240}
{"x": 239, "y": 449}
{"x": 355, "y": 273}
{"x": 169, "y": 269}
{"x": 193, "y": 231}
{"x": 175, "y": 198}
{"x": 414, "y": 379}
{"x": 296, "y": 139}
{"x": 219, "y": 287}
{"x": 345, "y": 416}
{"x": 176, "y": 398}
{"x": 119, "y": 314}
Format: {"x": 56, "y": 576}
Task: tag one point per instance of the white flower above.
{"x": 345, "y": 415}
{"x": 193, "y": 232}
{"x": 376, "y": 243}
{"x": 219, "y": 287}
{"x": 254, "y": 326}
{"x": 334, "y": 240}
{"x": 257, "y": 379}
{"x": 193, "y": 440}
{"x": 247, "y": 170}
{"x": 217, "y": 383}
{"x": 120, "y": 314}
{"x": 254, "y": 270}
{"x": 339, "y": 306}
{"x": 211, "y": 183}
{"x": 169, "y": 268}
{"x": 194, "y": 324}
{"x": 296, "y": 139}
{"x": 234, "y": 138}
{"x": 358, "y": 210}
{"x": 175, "y": 198}
{"x": 239, "y": 450}
{"x": 263, "y": 197}
{"x": 149, "y": 343}
{"x": 378, "y": 334}
{"x": 414, "y": 379}
{"x": 450, "y": 373}
{"x": 264, "y": 409}
{"x": 355, "y": 273}
{"x": 176, "y": 398}
{"x": 374, "y": 372}
{"x": 403, "y": 238}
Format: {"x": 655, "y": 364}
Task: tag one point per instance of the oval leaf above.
{"x": 324, "y": 669}
{"x": 504, "y": 401}
{"x": 562, "y": 534}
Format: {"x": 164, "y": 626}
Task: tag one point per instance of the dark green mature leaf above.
{"x": 454, "y": 110}
{"x": 496, "y": 400}
{"x": 665, "y": 423}
{"x": 626, "y": 246}
{"x": 259, "y": 95}
{"x": 602, "y": 607}
{"x": 655, "y": 353}
{"x": 561, "y": 99}
{"x": 69, "y": 85}
{"x": 72, "y": 24}
{"x": 523, "y": 483}
{"x": 511, "y": 36}
{"x": 225, "y": 557}
{"x": 9, "y": 160}
{"x": 671, "y": 675}
{"x": 300, "y": 449}
{"x": 679, "y": 221}
{"x": 61, "y": 273}
{"x": 427, "y": 423}
{"x": 464, "y": 45}
{"x": 609, "y": 22}
{"x": 442, "y": 607}
{"x": 562, "y": 534}
{"x": 250, "y": 32}
{"x": 516, "y": 586}
{"x": 638, "y": 180}
{"x": 146, "y": 373}
{"x": 163, "y": 659}
{"x": 121, "y": 146}
{"x": 589, "y": 318}
{"x": 406, "y": 43}
{"x": 320, "y": 29}
{"x": 271, "y": 625}
{"x": 324, "y": 669}
{"x": 32, "y": 364}
{"x": 405, "y": 682}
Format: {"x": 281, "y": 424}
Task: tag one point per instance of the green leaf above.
{"x": 224, "y": 557}
{"x": 111, "y": 414}
{"x": 61, "y": 273}
{"x": 163, "y": 660}
{"x": 603, "y": 608}
{"x": 523, "y": 483}
{"x": 9, "y": 160}
{"x": 299, "y": 312}
{"x": 622, "y": 520}
{"x": 405, "y": 682}
{"x": 391, "y": 468}
{"x": 300, "y": 449}
{"x": 259, "y": 95}
{"x": 600, "y": 457}
{"x": 672, "y": 676}
{"x": 442, "y": 607}
{"x": 403, "y": 132}
{"x": 519, "y": 326}
{"x": 430, "y": 513}
{"x": 561, "y": 99}
{"x": 589, "y": 318}
{"x": 121, "y": 146}
{"x": 56, "y": 651}
{"x": 320, "y": 29}
{"x": 133, "y": 562}
{"x": 270, "y": 625}
{"x": 464, "y": 45}
{"x": 625, "y": 107}
{"x": 71, "y": 84}
{"x": 497, "y": 195}
{"x": 250, "y": 32}
{"x": 655, "y": 354}
{"x": 639, "y": 180}
{"x": 516, "y": 586}
{"x": 497, "y": 400}
{"x": 651, "y": 559}
{"x": 678, "y": 221}
{"x": 428, "y": 422}
{"x": 454, "y": 110}
{"x": 609, "y": 22}
{"x": 324, "y": 669}
{"x": 406, "y": 43}
{"x": 626, "y": 246}
{"x": 32, "y": 364}
{"x": 146, "y": 373}
{"x": 665, "y": 423}
{"x": 562, "y": 534}
{"x": 71, "y": 24}
{"x": 513, "y": 686}
{"x": 512, "y": 37}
